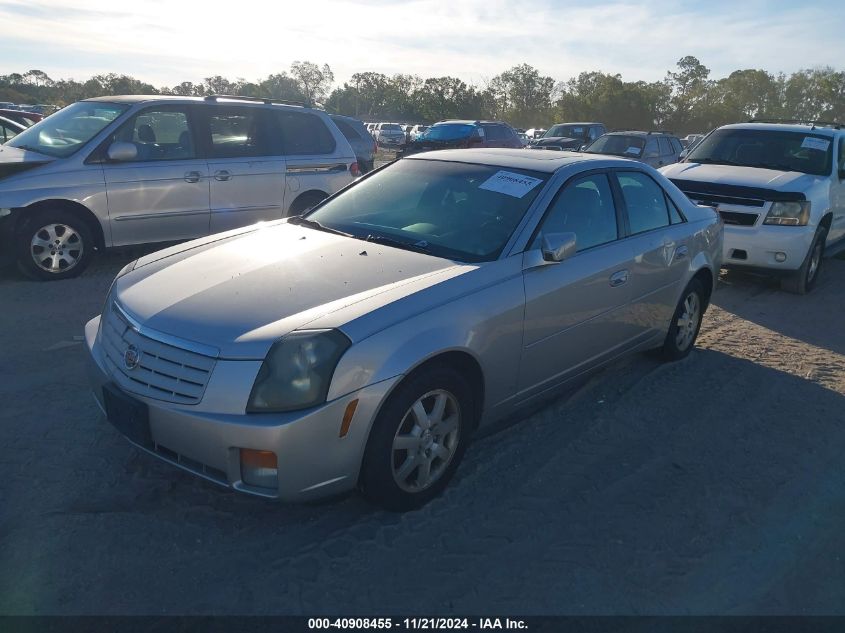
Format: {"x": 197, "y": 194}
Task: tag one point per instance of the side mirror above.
{"x": 558, "y": 246}
{"x": 120, "y": 151}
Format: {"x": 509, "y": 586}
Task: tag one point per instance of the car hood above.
{"x": 240, "y": 293}
{"x": 558, "y": 140}
{"x": 740, "y": 176}
{"x": 14, "y": 161}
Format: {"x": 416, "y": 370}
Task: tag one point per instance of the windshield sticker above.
{"x": 510, "y": 183}
{"x": 633, "y": 150}
{"x": 811, "y": 142}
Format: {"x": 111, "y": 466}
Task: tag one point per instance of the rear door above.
{"x": 574, "y": 310}
{"x": 659, "y": 238}
{"x": 837, "y": 195}
{"x": 162, "y": 194}
{"x": 247, "y": 183}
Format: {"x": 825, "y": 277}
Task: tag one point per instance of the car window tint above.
{"x": 493, "y": 132}
{"x": 7, "y": 132}
{"x": 347, "y": 130}
{"x": 160, "y": 134}
{"x": 237, "y": 132}
{"x": 584, "y": 207}
{"x": 645, "y": 201}
{"x": 674, "y": 214}
{"x": 665, "y": 147}
{"x": 842, "y": 152}
{"x": 303, "y": 133}
{"x": 676, "y": 144}
{"x": 651, "y": 147}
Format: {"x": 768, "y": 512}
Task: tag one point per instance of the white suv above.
{"x": 779, "y": 189}
{"x": 122, "y": 170}
{"x": 389, "y": 134}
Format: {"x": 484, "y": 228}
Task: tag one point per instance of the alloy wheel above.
{"x": 688, "y": 321}
{"x": 56, "y": 248}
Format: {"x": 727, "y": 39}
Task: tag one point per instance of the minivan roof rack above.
{"x": 264, "y": 100}
{"x": 811, "y": 122}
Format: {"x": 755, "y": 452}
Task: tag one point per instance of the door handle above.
{"x": 222, "y": 175}
{"x": 681, "y": 252}
{"x": 618, "y": 278}
{"x": 193, "y": 176}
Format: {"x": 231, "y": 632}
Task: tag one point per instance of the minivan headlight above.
{"x": 297, "y": 371}
{"x": 789, "y": 213}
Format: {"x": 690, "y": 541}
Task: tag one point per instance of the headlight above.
{"x": 297, "y": 371}
{"x": 789, "y": 213}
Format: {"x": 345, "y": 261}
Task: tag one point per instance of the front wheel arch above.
{"x": 77, "y": 209}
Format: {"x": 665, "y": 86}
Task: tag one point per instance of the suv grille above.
{"x": 739, "y": 219}
{"x": 162, "y": 371}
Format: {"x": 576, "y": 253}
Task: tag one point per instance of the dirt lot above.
{"x": 714, "y": 485}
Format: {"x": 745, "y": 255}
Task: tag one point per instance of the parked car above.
{"x": 9, "y": 129}
{"x": 569, "y": 136}
{"x": 524, "y": 139}
{"x": 417, "y": 131}
{"x": 113, "y": 171}
{"x": 689, "y": 142}
{"x": 405, "y": 305}
{"x": 359, "y": 138}
{"x": 26, "y": 119}
{"x": 43, "y": 109}
{"x": 779, "y": 190}
{"x": 389, "y": 135}
{"x": 535, "y": 132}
{"x": 462, "y": 134}
{"x": 653, "y": 148}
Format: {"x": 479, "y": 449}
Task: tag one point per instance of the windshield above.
{"x": 570, "y": 131}
{"x": 448, "y": 132}
{"x": 66, "y": 131}
{"x": 768, "y": 149}
{"x": 459, "y": 211}
{"x": 617, "y": 145}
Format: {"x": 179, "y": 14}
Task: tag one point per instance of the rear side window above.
{"x": 303, "y": 133}
{"x": 347, "y": 130}
{"x": 645, "y": 201}
{"x": 665, "y": 147}
{"x": 237, "y": 132}
{"x": 494, "y": 132}
{"x": 842, "y": 152}
{"x": 676, "y": 144}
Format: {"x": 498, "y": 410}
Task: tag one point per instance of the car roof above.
{"x": 638, "y": 133}
{"x": 132, "y": 99}
{"x": 532, "y": 160}
{"x": 578, "y": 123}
{"x": 783, "y": 127}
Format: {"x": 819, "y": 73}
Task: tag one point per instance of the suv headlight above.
{"x": 789, "y": 213}
{"x": 297, "y": 371}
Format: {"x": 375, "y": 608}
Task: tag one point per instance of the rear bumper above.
{"x": 762, "y": 244}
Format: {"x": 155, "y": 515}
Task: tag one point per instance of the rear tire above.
{"x": 686, "y": 323}
{"x": 418, "y": 439}
{"x": 804, "y": 279}
{"x": 53, "y": 244}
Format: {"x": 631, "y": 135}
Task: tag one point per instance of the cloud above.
{"x": 165, "y": 42}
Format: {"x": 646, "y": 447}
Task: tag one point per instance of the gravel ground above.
{"x": 710, "y": 486}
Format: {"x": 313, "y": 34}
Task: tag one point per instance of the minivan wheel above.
{"x": 418, "y": 439}
{"x": 804, "y": 279}
{"x": 686, "y": 323}
{"x": 54, "y": 244}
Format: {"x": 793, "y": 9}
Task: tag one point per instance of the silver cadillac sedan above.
{"x": 360, "y": 346}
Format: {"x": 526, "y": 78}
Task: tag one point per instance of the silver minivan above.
{"x": 115, "y": 171}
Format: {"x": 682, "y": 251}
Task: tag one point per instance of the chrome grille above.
{"x": 163, "y": 371}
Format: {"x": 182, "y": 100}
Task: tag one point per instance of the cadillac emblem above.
{"x": 131, "y": 357}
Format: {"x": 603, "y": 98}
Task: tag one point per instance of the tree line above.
{"x": 686, "y": 100}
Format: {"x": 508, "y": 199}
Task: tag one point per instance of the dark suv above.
{"x": 569, "y": 136}
{"x": 463, "y": 134}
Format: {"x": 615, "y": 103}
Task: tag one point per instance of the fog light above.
{"x": 780, "y": 257}
{"x": 259, "y": 468}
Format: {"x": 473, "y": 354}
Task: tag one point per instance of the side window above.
{"x": 6, "y": 133}
{"x": 347, "y": 130}
{"x": 237, "y": 132}
{"x": 494, "y": 132}
{"x": 645, "y": 201}
{"x": 842, "y": 152}
{"x": 303, "y": 133}
{"x": 584, "y": 207}
{"x": 675, "y": 216}
{"x": 595, "y": 132}
{"x": 160, "y": 134}
{"x": 676, "y": 145}
{"x": 651, "y": 148}
{"x": 665, "y": 147}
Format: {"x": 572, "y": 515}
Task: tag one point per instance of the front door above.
{"x": 574, "y": 308}
{"x": 837, "y": 196}
{"x": 246, "y": 167}
{"x": 162, "y": 194}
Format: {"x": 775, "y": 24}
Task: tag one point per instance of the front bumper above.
{"x": 206, "y": 438}
{"x": 760, "y": 245}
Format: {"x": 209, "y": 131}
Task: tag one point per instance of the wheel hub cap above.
{"x": 56, "y": 248}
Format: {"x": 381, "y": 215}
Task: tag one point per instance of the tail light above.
{"x": 354, "y": 170}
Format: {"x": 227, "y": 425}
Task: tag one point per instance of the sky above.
{"x": 165, "y": 42}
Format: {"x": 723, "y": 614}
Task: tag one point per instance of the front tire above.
{"x": 804, "y": 279}
{"x": 686, "y": 323}
{"x": 418, "y": 439}
{"x": 54, "y": 244}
